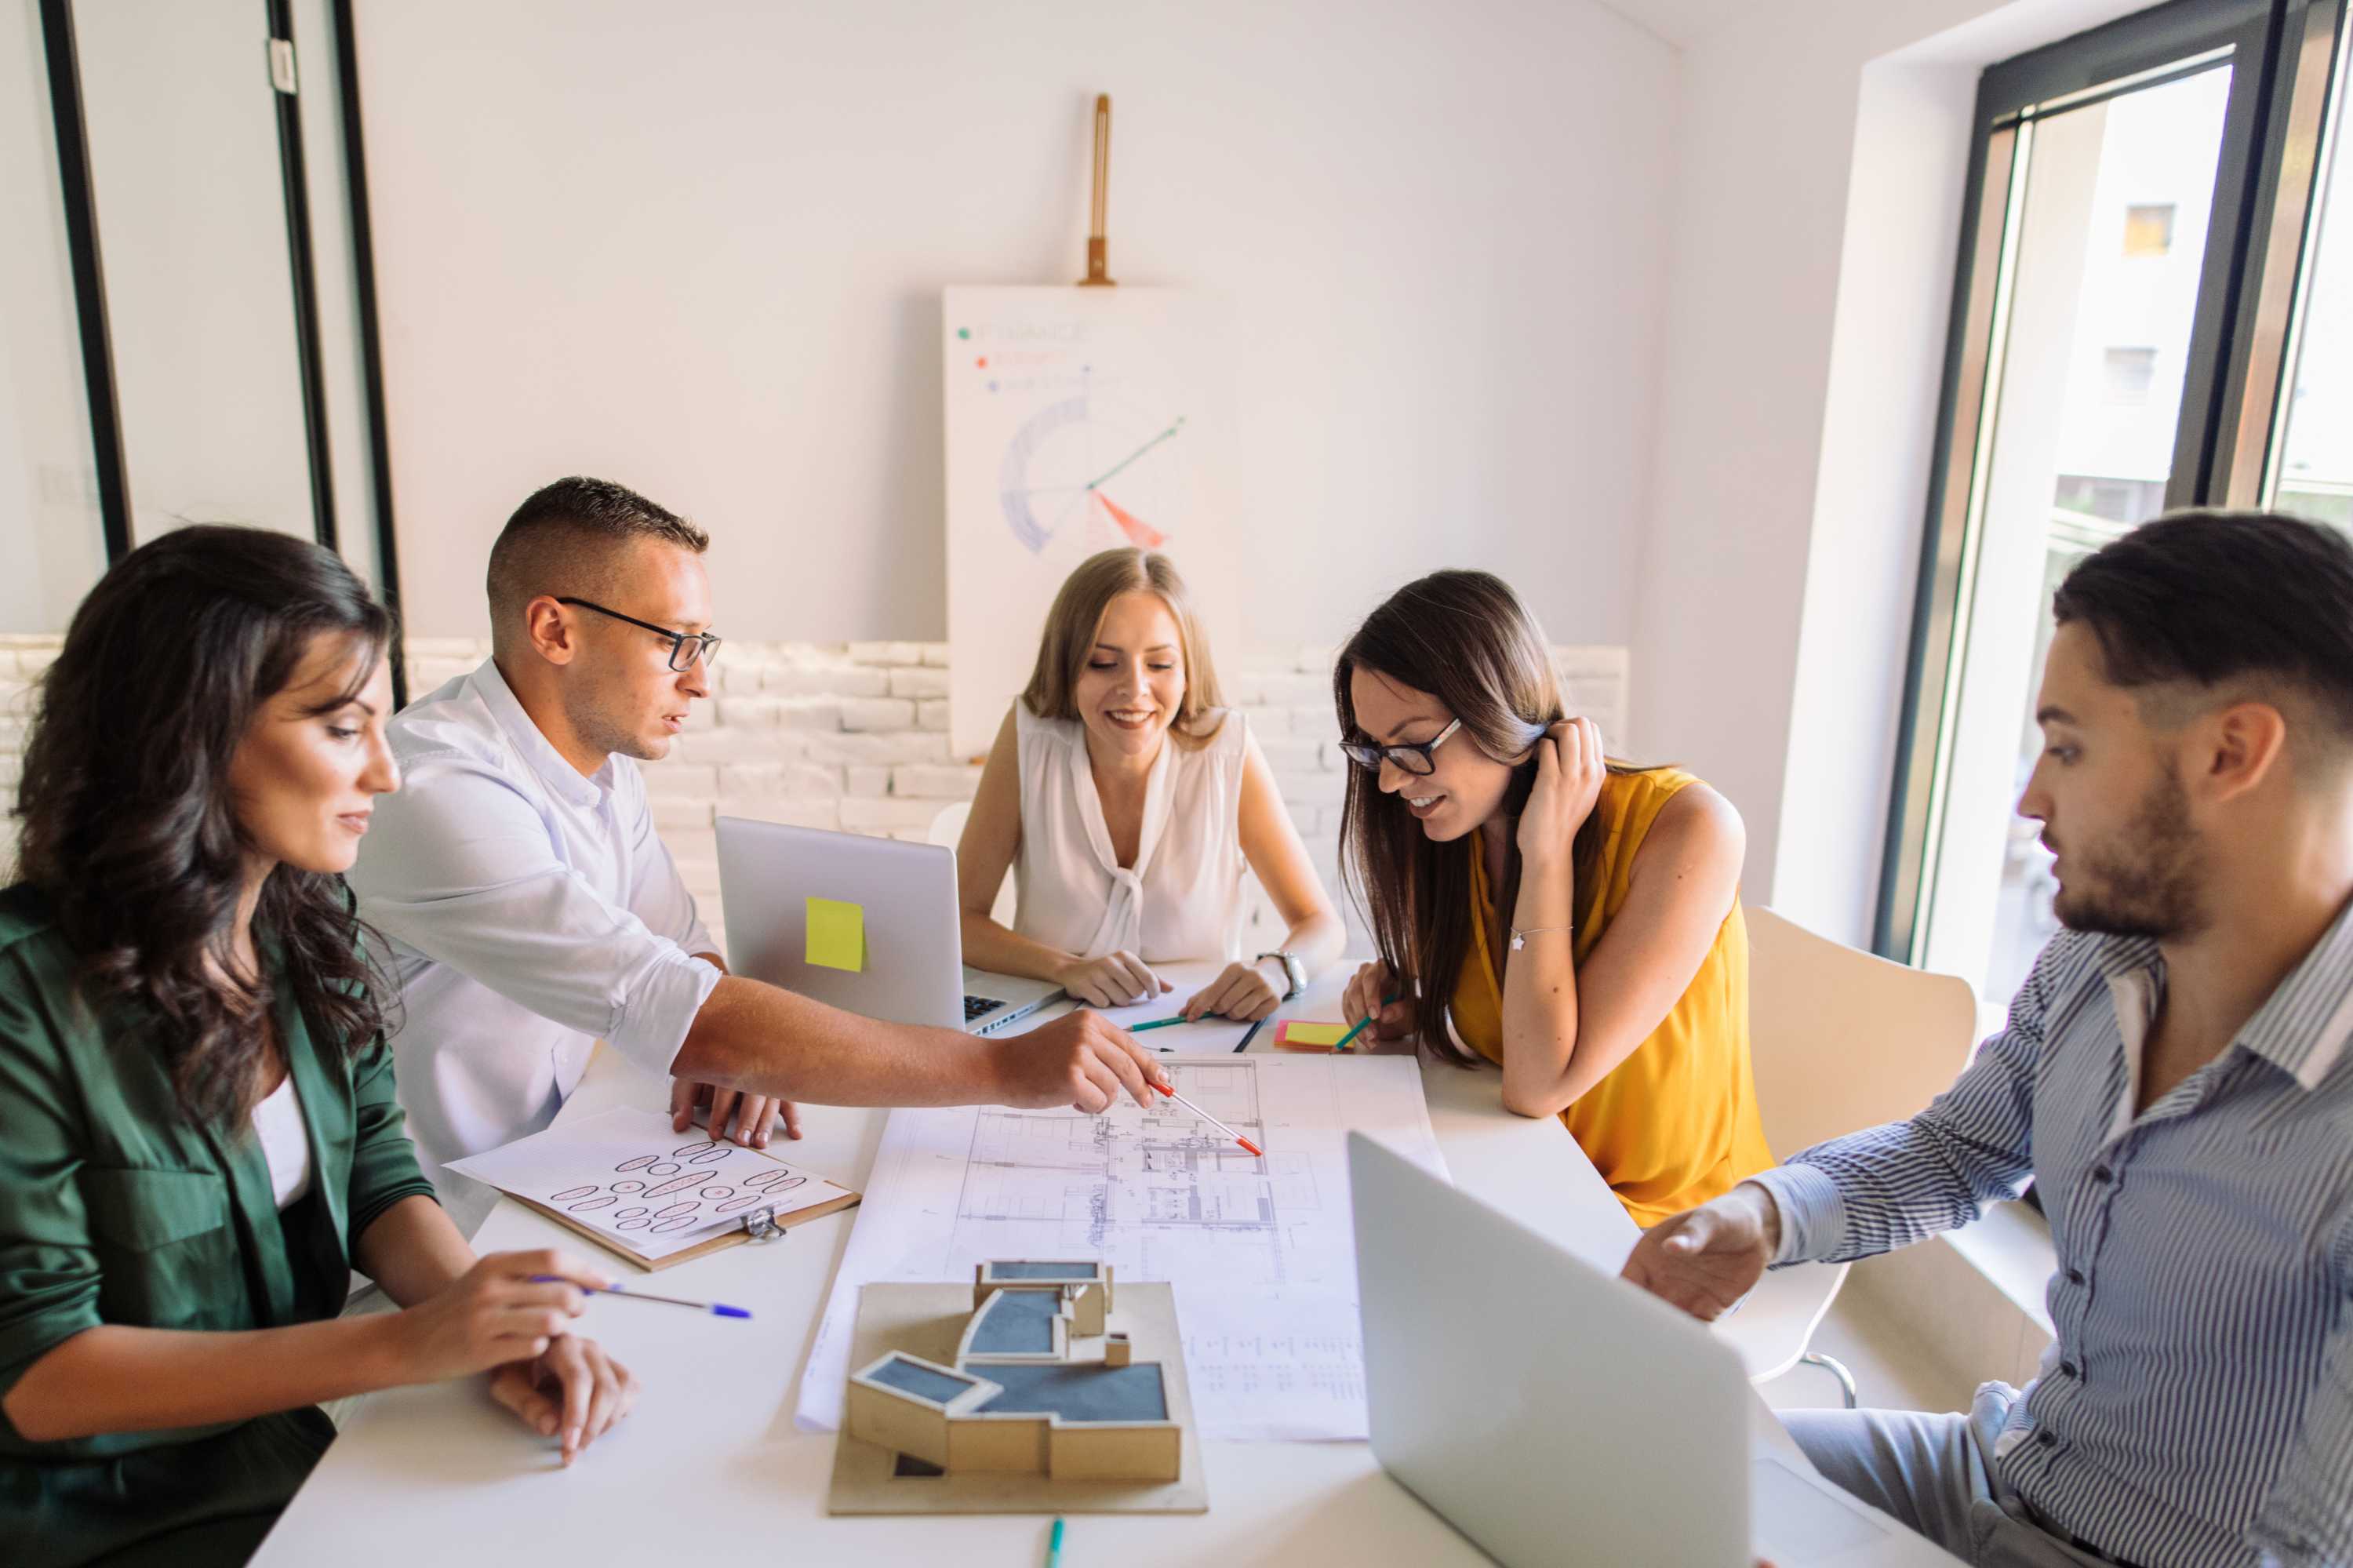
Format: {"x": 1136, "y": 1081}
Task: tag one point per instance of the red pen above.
{"x": 1213, "y": 1121}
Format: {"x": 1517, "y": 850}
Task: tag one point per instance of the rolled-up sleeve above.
{"x": 49, "y": 1269}
{"x": 459, "y": 867}
{"x": 384, "y": 1161}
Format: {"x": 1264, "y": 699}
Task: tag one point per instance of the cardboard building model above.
{"x": 1043, "y": 1384}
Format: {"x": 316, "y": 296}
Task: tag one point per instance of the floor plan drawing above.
{"x": 1095, "y": 1175}
{"x": 1260, "y": 1247}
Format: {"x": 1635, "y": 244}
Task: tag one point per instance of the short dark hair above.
{"x": 561, "y": 540}
{"x": 2212, "y": 596}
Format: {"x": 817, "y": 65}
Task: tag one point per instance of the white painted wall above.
{"x": 699, "y": 249}
{"x": 1878, "y": 435}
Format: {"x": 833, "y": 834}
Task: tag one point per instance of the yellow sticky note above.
{"x": 837, "y": 935}
{"x": 1296, "y": 1033}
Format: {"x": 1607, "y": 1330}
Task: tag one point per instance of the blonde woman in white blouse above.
{"x": 1127, "y": 801}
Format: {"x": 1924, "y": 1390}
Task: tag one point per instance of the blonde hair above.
{"x": 1076, "y": 616}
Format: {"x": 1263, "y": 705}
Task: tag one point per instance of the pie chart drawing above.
{"x": 1075, "y": 420}
{"x": 1093, "y": 471}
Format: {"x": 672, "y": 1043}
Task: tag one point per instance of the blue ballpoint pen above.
{"x": 713, "y": 1308}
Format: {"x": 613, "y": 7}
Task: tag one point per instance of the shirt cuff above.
{"x": 654, "y": 1021}
{"x": 1812, "y": 1211}
{"x": 27, "y": 1340}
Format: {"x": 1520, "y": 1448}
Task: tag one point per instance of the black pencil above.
{"x": 1251, "y": 1036}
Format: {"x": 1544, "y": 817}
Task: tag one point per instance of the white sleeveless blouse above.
{"x": 1183, "y": 898}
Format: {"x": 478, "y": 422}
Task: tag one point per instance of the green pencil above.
{"x": 1054, "y": 1547}
{"x": 1361, "y": 1023}
{"x": 1157, "y": 1024}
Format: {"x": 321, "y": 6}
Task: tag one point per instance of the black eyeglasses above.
{"x": 1414, "y": 759}
{"x": 685, "y": 647}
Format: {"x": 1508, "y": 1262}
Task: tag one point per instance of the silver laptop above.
{"x": 899, "y": 958}
{"x": 1553, "y": 1414}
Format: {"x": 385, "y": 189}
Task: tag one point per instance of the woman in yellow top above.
{"x": 1577, "y": 921}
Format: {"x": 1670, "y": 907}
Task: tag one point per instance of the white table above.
{"x": 437, "y": 1476}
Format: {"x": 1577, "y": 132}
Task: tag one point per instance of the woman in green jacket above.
{"x": 198, "y": 1138}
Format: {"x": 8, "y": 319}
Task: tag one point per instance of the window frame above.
{"x": 70, "y": 126}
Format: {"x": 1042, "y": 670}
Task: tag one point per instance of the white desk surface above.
{"x": 709, "y": 1459}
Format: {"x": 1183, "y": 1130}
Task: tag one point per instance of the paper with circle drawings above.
{"x": 1077, "y": 420}
{"x": 626, "y": 1176}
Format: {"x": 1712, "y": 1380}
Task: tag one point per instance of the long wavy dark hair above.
{"x": 1466, "y": 639}
{"x": 129, "y": 830}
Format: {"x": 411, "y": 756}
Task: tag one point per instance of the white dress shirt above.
{"x": 532, "y": 912}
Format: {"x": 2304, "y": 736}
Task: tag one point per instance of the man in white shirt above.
{"x": 532, "y": 909}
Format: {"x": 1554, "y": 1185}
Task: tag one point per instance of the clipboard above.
{"x": 760, "y": 1225}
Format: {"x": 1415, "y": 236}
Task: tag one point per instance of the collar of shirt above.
{"x": 2302, "y": 1026}
{"x": 537, "y": 752}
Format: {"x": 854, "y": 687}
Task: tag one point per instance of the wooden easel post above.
{"x": 1097, "y": 258}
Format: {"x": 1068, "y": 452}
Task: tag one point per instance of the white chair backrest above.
{"x": 948, "y": 826}
{"x": 948, "y": 829}
{"x": 1842, "y": 1040}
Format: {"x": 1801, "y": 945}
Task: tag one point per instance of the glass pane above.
{"x": 192, "y": 223}
{"x": 51, "y": 545}
{"x": 2106, "y": 248}
{"x": 2314, "y": 472}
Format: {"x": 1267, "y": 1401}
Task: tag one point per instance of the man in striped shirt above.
{"x": 2175, "y": 1079}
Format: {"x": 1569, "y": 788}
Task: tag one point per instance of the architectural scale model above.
{"x": 1044, "y": 1383}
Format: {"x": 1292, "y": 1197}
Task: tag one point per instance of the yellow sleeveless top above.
{"x": 1675, "y": 1123}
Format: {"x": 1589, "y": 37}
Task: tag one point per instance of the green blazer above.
{"x": 116, "y": 1208}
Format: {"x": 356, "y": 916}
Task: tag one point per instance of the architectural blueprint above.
{"x": 1260, "y": 1248}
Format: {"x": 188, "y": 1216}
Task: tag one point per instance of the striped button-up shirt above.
{"x": 2197, "y": 1405}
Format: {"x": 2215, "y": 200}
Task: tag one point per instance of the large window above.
{"x": 2150, "y": 314}
{"x": 198, "y": 338}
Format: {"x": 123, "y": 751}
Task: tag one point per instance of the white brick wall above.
{"x": 855, "y": 738}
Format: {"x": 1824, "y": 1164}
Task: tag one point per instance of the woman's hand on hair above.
{"x": 1569, "y": 771}
{"x": 1114, "y": 980}
{"x": 1240, "y": 992}
{"x": 1368, "y": 994}
{"x": 572, "y": 1390}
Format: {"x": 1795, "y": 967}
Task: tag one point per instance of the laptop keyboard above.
{"x": 979, "y": 1007}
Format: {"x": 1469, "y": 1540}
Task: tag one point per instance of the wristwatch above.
{"x": 1293, "y": 971}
